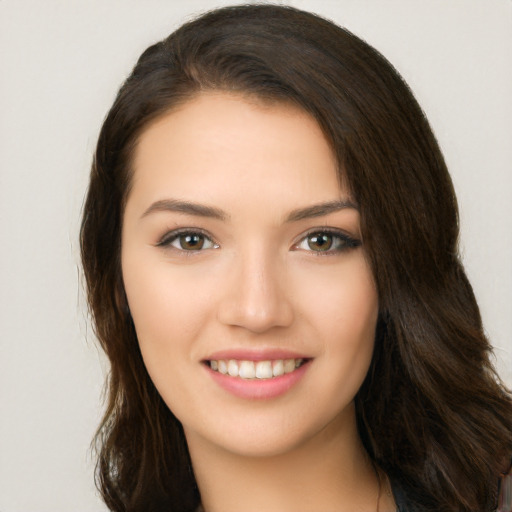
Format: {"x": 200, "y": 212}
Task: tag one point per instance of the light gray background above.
{"x": 61, "y": 63}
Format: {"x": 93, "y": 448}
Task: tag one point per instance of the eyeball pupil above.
{"x": 320, "y": 242}
{"x": 192, "y": 241}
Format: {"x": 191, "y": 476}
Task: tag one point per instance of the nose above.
{"x": 255, "y": 295}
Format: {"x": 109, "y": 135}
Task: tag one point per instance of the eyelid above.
{"x": 169, "y": 237}
{"x": 350, "y": 242}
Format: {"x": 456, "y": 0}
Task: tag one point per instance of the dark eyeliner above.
{"x": 171, "y": 236}
{"x": 349, "y": 242}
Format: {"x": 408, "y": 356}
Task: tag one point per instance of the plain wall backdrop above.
{"x": 61, "y": 63}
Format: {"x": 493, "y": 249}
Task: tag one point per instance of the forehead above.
{"x": 218, "y": 143}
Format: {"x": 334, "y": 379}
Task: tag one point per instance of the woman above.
{"x": 270, "y": 248}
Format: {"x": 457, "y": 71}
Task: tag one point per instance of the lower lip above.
{"x": 259, "y": 389}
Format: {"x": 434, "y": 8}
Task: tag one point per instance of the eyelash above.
{"x": 344, "y": 241}
{"x": 167, "y": 240}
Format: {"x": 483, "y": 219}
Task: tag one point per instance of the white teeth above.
{"x": 255, "y": 369}
{"x": 246, "y": 370}
{"x": 264, "y": 370}
{"x": 223, "y": 367}
{"x": 278, "y": 368}
{"x": 233, "y": 368}
{"x": 289, "y": 365}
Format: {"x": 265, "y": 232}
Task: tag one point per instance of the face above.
{"x": 245, "y": 274}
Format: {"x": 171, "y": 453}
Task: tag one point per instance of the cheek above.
{"x": 166, "y": 322}
{"x": 165, "y": 316}
{"x": 344, "y": 303}
{"x": 345, "y": 318}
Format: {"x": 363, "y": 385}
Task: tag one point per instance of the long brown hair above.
{"x": 432, "y": 411}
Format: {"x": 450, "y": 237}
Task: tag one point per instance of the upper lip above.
{"x": 244, "y": 354}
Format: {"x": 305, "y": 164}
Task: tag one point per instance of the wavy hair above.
{"x": 432, "y": 412}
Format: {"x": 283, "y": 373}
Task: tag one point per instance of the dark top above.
{"x": 503, "y": 495}
{"x": 401, "y": 500}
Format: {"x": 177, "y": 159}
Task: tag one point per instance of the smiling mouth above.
{"x": 249, "y": 370}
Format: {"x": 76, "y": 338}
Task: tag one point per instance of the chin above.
{"x": 267, "y": 436}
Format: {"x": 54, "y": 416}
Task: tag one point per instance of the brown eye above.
{"x": 188, "y": 241}
{"x": 327, "y": 242}
{"x": 191, "y": 241}
{"x": 320, "y": 241}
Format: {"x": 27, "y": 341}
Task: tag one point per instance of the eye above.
{"x": 327, "y": 242}
{"x": 187, "y": 241}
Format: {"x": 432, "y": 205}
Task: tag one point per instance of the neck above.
{"x": 329, "y": 471}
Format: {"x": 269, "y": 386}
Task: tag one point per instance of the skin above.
{"x": 258, "y": 282}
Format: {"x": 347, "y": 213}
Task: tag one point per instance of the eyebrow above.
{"x": 175, "y": 205}
{"x": 201, "y": 210}
{"x": 318, "y": 210}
